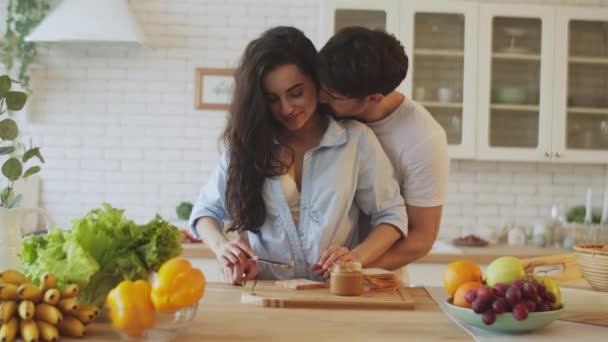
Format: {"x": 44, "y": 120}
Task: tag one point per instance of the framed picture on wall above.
{"x": 213, "y": 88}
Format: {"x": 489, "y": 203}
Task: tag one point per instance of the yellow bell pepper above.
{"x": 178, "y": 285}
{"x": 130, "y": 307}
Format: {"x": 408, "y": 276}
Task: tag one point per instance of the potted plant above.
{"x": 13, "y": 165}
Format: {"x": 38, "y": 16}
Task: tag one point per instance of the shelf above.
{"x": 515, "y": 107}
{"x": 439, "y": 53}
{"x": 587, "y": 110}
{"x": 441, "y": 104}
{"x": 516, "y": 56}
{"x": 588, "y": 60}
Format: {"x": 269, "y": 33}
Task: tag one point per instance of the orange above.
{"x": 458, "y": 273}
{"x": 462, "y": 290}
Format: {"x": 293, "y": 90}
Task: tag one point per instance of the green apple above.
{"x": 552, "y": 287}
{"x": 504, "y": 270}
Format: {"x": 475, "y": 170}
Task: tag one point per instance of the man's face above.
{"x": 342, "y": 106}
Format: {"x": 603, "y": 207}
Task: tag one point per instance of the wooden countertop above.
{"x": 481, "y": 255}
{"x": 222, "y": 317}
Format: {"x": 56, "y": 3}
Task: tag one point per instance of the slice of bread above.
{"x": 300, "y": 284}
{"x": 381, "y": 279}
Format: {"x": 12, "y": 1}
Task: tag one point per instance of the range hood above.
{"x": 89, "y": 21}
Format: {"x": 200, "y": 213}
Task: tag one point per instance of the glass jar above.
{"x": 346, "y": 279}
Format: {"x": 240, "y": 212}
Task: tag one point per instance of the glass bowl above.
{"x": 505, "y": 323}
{"x": 167, "y": 327}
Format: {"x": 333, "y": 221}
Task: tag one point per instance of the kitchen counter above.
{"x": 481, "y": 255}
{"x": 485, "y": 255}
{"x": 222, "y": 317}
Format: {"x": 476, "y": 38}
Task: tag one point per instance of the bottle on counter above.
{"x": 555, "y": 228}
{"x": 540, "y": 234}
{"x": 570, "y": 238}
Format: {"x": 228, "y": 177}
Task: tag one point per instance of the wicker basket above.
{"x": 593, "y": 261}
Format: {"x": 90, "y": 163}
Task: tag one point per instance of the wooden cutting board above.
{"x": 584, "y": 306}
{"x": 266, "y": 294}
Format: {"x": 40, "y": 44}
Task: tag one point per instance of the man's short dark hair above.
{"x": 357, "y": 62}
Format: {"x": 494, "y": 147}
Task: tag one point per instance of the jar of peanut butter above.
{"x": 346, "y": 279}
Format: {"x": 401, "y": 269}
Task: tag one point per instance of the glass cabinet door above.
{"x": 582, "y": 129}
{"x": 440, "y": 41}
{"x": 516, "y": 83}
{"x": 337, "y": 14}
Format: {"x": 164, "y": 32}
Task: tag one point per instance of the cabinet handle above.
{"x": 557, "y": 155}
{"x": 547, "y": 154}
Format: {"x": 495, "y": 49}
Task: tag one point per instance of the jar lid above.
{"x": 347, "y": 266}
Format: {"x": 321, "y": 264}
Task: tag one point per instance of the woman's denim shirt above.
{"x": 346, "y": 173}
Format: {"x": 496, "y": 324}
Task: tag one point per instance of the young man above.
{"x": 360, "y": 70}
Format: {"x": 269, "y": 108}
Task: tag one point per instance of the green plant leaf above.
{"x": 8, "y": 129}
{"x": 7, "y": 195}
{"x": 32, "y": 152}
{"x": 12, "y": 169}
{"x": 5, "y": 85}
{"x": 6, "y": 150}
{"x": 15, "y": 100}
{"x": 31, "y": 171}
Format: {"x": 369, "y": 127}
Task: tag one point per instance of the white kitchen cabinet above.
{"x": 440, "y": 38}
{"x": 515, "y": 82}
{"x": 543, "y": 84}
{"x": 378, "y": 14}
{"x": 580, "y": 122}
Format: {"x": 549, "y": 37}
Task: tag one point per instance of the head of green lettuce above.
{"x": 102, "y": 249}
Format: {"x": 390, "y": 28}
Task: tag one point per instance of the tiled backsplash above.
{"x": 117, "y": 124}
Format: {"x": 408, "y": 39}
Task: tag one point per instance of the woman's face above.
{"x": 292, "y": 96}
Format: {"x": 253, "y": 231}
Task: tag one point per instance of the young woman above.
{"x": 292, "y": 180}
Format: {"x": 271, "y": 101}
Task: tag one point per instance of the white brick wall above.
{"x": 117, "y": 124}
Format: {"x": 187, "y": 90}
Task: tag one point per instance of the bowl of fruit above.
{"x": 507, "y": 300}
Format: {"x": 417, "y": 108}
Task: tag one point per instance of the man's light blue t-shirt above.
{"x": 346, "y": 173}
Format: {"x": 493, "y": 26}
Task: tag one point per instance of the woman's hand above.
{"x": 331, "y": 256}
{"x": 235, "y": 262}
{"x": 235, "y": 252}
{"x": 239, "y": 274}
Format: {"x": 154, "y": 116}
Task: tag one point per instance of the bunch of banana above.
{"x": 41, "y": 313}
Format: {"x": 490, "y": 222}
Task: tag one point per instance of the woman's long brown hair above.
{"x": 251, "y": 129}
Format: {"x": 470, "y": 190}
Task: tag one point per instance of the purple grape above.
{"x": 538, "y": 299}
{"x": 485, "y": 294}
{"x": 543, "y": 307}
{"x": 529, "y": 290}
{"x": 470, "y": 296}
{"x": 513, "y": 295}
{"x": 488, "y": 317}
{"x": 550, "y": 297}
{"x": 479, "y": 306}
{"x": 520, "y": 312}
{"x": 499, "y": 306}
{"x": 500, "y": 289}
{"x": 541, "y": 289}
{"x": 518, "y": 283}
{"x": 530, "y": 305}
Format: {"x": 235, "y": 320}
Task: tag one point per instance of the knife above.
{"x": 275, "y": 263}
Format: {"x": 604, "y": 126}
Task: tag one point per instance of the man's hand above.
{"x": 334, "y": 254}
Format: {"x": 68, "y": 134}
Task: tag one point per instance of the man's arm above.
{"x": 423, "y": 229}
